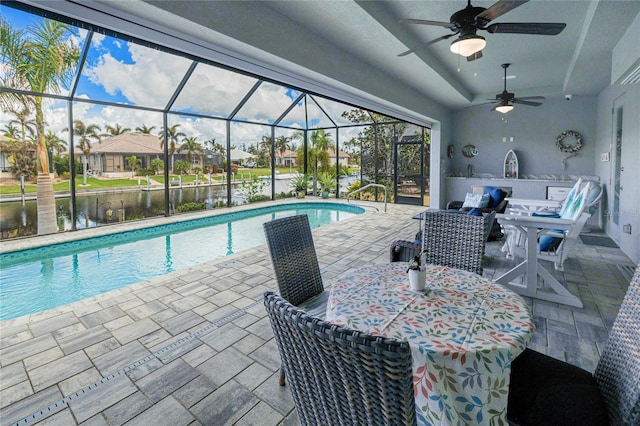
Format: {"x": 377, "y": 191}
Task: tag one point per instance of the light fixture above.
{"x": 504, "y": 107}
{"x": 467, "y": 45}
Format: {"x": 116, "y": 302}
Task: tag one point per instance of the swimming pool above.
{"x": 42, "y": 278}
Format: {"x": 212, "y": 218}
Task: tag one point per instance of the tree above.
{"x": 86, "y": 134}
{"x": 376, "y": 143}
{"x": 133, "y": 162}
{"x": 40, "y": 59}
{"x": 191, "y": 147}
{"x": 54, "y": 145}
{"x": 116, "y": 130}
{"x": 282, "y": 144}
{"x": 172, "y": 137}
{"x": 316, "y": 153}
{"x": 25, "y": 124}
{"x": 144, "y": 129}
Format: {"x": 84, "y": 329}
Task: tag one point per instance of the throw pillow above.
{"x": 575, "y": 206}
{"x": 496, "y": 195}
{"x": 476, "y": 200}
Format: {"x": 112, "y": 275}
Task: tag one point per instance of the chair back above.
{"x": 294, "y": 259}
{"x": 455, "y": 240}
{"x": 618, "y": 370}
{"x": 339, "y": 376}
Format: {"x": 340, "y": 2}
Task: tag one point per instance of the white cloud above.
{"x": 149, "y": 81}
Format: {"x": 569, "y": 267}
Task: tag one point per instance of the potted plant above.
{"x": 299, "y": 185}
{"x": 327, "y": 182}
{"x": 417, "y": 274}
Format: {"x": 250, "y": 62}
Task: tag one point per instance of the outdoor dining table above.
{"x": 463, "y": 329}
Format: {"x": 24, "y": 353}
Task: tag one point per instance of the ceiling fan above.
{"x": 505, "y": 100}
{"x": 468, "y": 21}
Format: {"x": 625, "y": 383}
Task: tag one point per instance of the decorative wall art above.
{"x": 566, "y": 147}
{"x": 469, "y": 151}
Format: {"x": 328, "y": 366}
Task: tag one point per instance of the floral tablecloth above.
{"x": 463, "y": 329}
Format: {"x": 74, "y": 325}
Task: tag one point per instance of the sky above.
{"x": 127, "y": 73}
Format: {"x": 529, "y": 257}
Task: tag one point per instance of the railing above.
{"x": 377, "y": 185}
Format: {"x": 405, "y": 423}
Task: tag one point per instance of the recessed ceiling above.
{"x": 356, "y": 43}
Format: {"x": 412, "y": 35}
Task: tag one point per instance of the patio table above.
{"x": 463, "y": 329}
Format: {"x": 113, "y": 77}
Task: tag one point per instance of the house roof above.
{"x": 129, "y": 143}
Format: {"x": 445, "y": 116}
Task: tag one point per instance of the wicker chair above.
{"x": 295, "y": 263}
{"x": 339, "y": 376}
{"x": 453, "y": 239}
{"x": 546, "y": 391}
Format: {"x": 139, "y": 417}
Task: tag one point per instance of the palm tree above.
{"x": 54, "y": 143}
{"x": 282, "y": 144}
{"x": 24, "y": 122}
{"x": 133, "y": 162}
{"x": 172, "y": 136}
{"x": 144, "y": 129}
{"x": 116, "y": 130}
{"x": 86, "y": 134}
{"x": 317, "y": 152}
{"x": 39, "y": 59}
{"x": 191, "y": 146}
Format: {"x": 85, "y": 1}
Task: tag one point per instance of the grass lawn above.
{"x": 92, "y": 183}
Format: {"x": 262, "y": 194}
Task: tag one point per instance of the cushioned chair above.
{"x": 546, "y": 391}
{"x": 455, "y": 240}
{"x": 497, "y": 203}
{"x": 339, "y": 376}
{"x": 295, "y": 263}
{"x": 556, "y": 245}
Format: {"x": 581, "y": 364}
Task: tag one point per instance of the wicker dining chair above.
{"x": 404, "y": 250}
{"x": 547, "y": 391}
{"x": 295, "y": 264}
{"x": 339, "y": 376}
{"x": 456, "y": 240}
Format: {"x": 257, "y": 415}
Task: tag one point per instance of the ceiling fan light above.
{"x": 504, "y": 108}
{"x": 468, "y": 45}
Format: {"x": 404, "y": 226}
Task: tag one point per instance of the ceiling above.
{"x": 356, "y": 43}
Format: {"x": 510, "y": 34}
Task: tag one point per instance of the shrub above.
{"x": 145, "y": 171}
{"x": 190, "y": 207}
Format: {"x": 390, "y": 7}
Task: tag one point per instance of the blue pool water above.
{"x": 42, "y": 278}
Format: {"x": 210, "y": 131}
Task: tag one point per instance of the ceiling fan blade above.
{"x": 527, "y": 28}
{"x": 520, "y": 101}
{"x": 526, "y": 98}
{"x": 498, "y": 9}
{"x": 428, "y": 43}
{"x": 427, "y": 22}
{"x": 475, "y": 56}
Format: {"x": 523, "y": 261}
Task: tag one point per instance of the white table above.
{"x": 528, "y": 206}
{"x": 463, "y": 330}
{"x": 550, "y": 289}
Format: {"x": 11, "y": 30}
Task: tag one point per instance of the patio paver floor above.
{"x": 195, "y": 347}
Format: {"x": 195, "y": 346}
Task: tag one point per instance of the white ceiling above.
{"x": 356, "y": 43}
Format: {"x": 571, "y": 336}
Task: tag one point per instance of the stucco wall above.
{"x": 534, "y": 130}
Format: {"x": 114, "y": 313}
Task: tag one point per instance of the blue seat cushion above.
{"x": 547, "y": 242}
{"x": 474, "y": 212}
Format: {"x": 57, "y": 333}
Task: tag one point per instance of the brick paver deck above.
{"x": 195, "y": 346}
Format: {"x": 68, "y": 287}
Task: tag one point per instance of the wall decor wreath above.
{"x": 571, "y": 149}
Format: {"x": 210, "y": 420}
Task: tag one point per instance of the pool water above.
{"x": 42, "y": 278}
